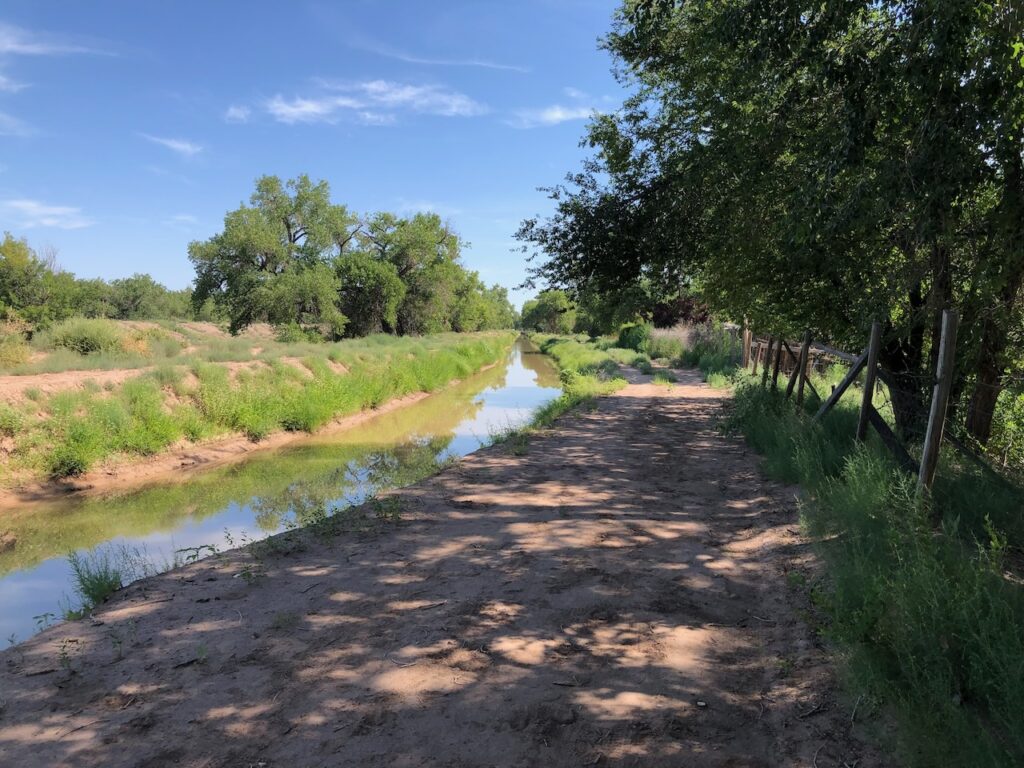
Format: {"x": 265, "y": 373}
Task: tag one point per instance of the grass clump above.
{"x": 84, "y": 336}
{"x": 96, "y": 577}
{"x": 931, "y": 626}
{"x": 665, "y": 377}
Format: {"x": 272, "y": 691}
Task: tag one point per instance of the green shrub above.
{"x": 84, "y": 335}
{"x": 77, "y": 451}
{"x": 665, "y": 347}
{"x": 635, "y": 336}
{"x": 10, "y": 420}
{"x": 13, "y": 351}
{"x": 293, "y": 333}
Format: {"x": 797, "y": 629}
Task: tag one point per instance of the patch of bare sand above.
{"x": 615, "y": 597}
{"x": 12, "y": 388}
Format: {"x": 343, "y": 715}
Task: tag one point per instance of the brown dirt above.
{"x": 12, "y": 388}
{"x": 614, "y": 597}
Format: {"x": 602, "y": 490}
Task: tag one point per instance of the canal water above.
{"x": 262, "y": 495}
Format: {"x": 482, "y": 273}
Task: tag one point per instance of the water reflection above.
{"x": 267, "y": 492}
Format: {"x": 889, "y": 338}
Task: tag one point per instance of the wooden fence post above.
{"x": 940, "y": 400}
{"x": 775, "y": 367}
{"x": 805, "y": 353}
{"x": 746, "y": 344}
{"x": 758, "y": 347}
{"x": 767, "y": 362}
{"x": 869, "y": 380}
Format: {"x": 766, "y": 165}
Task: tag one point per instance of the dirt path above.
{"x": 614, "y": 597}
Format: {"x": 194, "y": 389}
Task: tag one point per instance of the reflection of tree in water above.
{"x": 363, "y": 475}
{"x": 299, "y": 480}
{"x": 533, "y": 359}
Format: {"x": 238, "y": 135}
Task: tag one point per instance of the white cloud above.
{"x": 32, "y": 213}
{"x": 237, "y": 114}
{"x": 408, "y": 58}
{"x": 15, "y": 41}
{"x": 10, "y": 86}
{"x": 375, "y": 102}
{"x": 182, "y": 147}
{"x": 553, "y": 115}
{"x": 575, "y": 93}
{"x": 12, "y": 126}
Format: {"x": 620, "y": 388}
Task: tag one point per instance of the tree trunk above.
{"x": 901, "y": 357}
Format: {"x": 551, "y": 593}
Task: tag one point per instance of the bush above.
{"x": 84, "y": 336}
{"x": 13, "y": 351}
{"x": 293, "y": 333}
{"x": 635, "y": 336}
{"x": 665, "y": 348}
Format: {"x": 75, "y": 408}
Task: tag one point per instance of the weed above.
{"x": 665, "y": 377}
{"x": 95, "y": 576}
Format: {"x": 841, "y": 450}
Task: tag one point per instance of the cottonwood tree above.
{"x": 273, "y": 260}
{"x": 815, "y": 165}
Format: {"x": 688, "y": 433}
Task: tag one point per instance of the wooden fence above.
{"x": 774, "y": 356}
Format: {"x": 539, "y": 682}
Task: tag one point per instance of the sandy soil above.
{"x": 12, "y": 388}
{"x": 617, "y": 596}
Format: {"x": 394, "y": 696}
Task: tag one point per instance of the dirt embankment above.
{"x": 617, "y": 596}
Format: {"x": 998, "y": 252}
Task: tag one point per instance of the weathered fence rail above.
{"x": 775, "y": 354}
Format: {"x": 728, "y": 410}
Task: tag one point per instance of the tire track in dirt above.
{"x": 615, "y": 597}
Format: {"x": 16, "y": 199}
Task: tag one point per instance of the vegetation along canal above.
{"x": 149, "y": 530}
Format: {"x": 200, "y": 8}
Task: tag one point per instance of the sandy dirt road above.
{"x": 616, "y": 596}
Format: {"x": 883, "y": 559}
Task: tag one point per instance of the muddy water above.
{"x": 260, "y": 496}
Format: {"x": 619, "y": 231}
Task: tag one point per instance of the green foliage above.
{"x": 774, "y": 158}
{"x": 715, "y": 351}
{"x": 550, "y": 312}
{"x": 84, "y": 336}
{"x": 371, "y": 293}
{"x": 635, "y": 336}
{"x": 929, "y": 623}
{"x": 96, "y": 577}
{"x": 140, "y": 417}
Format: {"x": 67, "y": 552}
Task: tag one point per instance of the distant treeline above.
{"x": 35, "y": 292}
{"x": 295, "y": 259}
{"x": 291, "y": 258}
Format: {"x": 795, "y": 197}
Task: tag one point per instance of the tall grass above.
{"x": 931, "y": 627}
{"x": 715, "y": 351}
{"x": 147, "y": 414}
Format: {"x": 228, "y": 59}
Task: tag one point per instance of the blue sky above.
{"x": 128, "y": 129}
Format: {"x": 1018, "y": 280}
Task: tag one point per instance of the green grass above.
{"x": 715, "y": 352}
{"x": 145, "y": 415}
{"x": 665, "y": 377}
{"x": 928, "y": 625}
{"x": 96, "y": 577}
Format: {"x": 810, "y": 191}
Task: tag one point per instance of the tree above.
{"x": 814, "y": 166}
{"x": 551, "y": 312}
{"x": 370, "y": 293}
{"x": 285, "y": 230}
{"x": 425, "y": 253}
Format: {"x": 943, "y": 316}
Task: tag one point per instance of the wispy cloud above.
{"x": 29, "y": 214}
{"x": 16, "y": 41}
{"x": 553, "y": 115}
{"x": 375, "y": 102}
{"x": 427, "y": 206}
{"x": 181, "y": 146}
{"x": 12, "y": 126}
{"x": 410, "y": 58}
{"x": 7, "y": 85}
{"x": 237, "y": 113}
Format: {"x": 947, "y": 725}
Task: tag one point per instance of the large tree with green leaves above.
{"x": 274, "y": 259}
{"x": 815, "y": 165}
